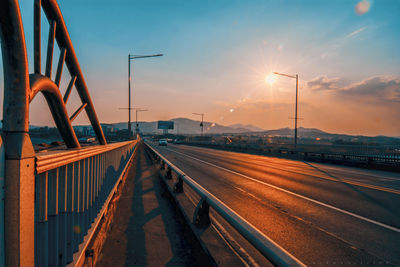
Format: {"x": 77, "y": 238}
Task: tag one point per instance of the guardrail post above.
{"x": 168, "y": 175}
{"x": 178, "y": 186}
{"x": 201, "y": 216}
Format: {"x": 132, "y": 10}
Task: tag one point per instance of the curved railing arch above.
{"x": 22, "y": 189}
{"x": 20, "y": 88}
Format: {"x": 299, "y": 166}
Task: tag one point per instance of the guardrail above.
{"x": 267, "y": 247}
{"x": 384, "y": 161}
{"x": 71, "y": 189}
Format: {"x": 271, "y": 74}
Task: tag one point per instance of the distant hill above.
{"x": 305, "y": 132}
{"x": 188, "y": 126}
{"x": 249, "y": 127}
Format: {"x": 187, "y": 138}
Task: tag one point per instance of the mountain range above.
{"x": 188, "y": 126}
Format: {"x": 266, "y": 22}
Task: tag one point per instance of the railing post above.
{"x": 41, "y": 221}
{"x": 70, "y": 211}
{"x": 62, "y": 214}
{"x": 77, "y": 205}
{"x": 53, "y": 216}
{"x": 19, "y": 155}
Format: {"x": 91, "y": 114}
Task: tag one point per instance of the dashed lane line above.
{"x": 294, "y": 194}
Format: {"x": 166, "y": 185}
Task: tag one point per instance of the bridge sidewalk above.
{"x": 147, "y": 230}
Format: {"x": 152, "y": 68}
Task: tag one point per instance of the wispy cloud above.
{"x": 323, "y": 83}
{"x": 336, "y": 44}
{"x": 377, "y": 89}
{"x": 374, "y": 89}
{"x": 356, "y": 32}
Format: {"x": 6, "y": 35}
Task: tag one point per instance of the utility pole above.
{"x": 137, "y": 125}
{"x": 201, "y": 123}
{"x": 295, "y": 114}
{"x": 130, "y": 57}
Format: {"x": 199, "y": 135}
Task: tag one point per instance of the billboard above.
{"x": 166, "y": 125}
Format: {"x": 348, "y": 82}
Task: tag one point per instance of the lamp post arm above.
{"x": 136, "y": 57}
{"x": 286, "y": 75}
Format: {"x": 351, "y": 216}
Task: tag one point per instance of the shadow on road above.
{"x": 147, "y": 231}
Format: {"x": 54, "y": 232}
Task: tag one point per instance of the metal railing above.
{"x": 267, "y": 247}
{"x": 72, "y": 186}
{"x": 390, "y": 160}
{"x": 50, "y": 198}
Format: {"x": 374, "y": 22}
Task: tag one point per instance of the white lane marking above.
{"x": 356, "y": 182}
{"x": 296, "y": 165}
{"x": 295, "y": 194}
{"x": 248, "y": 193}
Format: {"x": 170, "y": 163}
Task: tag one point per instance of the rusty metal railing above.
{"x": 72, "y": 187}
{"x": 267, "y": 247}
{"x": 20, "y": 88}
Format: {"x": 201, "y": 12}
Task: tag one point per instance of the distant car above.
{"x": 162, "y": 142}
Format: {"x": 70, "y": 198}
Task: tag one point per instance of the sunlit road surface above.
{"x": 322, "y": 214}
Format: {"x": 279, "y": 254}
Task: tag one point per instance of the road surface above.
{"x": 322, "y": 214}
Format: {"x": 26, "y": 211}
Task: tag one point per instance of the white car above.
{"x": 162, "y": 142}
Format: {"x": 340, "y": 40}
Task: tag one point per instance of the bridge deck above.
{"x": 147, "y": 230}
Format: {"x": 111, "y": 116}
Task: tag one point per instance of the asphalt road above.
{"x": 322, "y": 214}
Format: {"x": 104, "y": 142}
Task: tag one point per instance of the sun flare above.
{"x": 271, "y": 78}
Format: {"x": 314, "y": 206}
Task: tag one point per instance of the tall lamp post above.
{"x": 295, "y": 114}
{"x": 130, "y": 57}
{"x": 137, "y": 111}
{"x": 201, "y": 123}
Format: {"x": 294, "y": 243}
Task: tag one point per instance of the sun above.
{"x": 270, "y": 78}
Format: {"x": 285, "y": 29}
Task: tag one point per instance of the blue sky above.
{"x": 218, "y": 53}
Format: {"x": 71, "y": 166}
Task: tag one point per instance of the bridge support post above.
{"x": 19, "y": 203}
{"x": 19, "y": 154}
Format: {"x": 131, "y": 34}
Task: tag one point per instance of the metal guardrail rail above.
{"x": 267, "y": 247}
{"x": 72, "y": 186}
{"x": 368, "y": 160}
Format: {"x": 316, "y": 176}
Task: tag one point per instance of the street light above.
{"x": 201, "y": 123}
{"x": 295, "y": 114}
{"x": 137, "y": 111}
{"x": 130, "y": 57}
